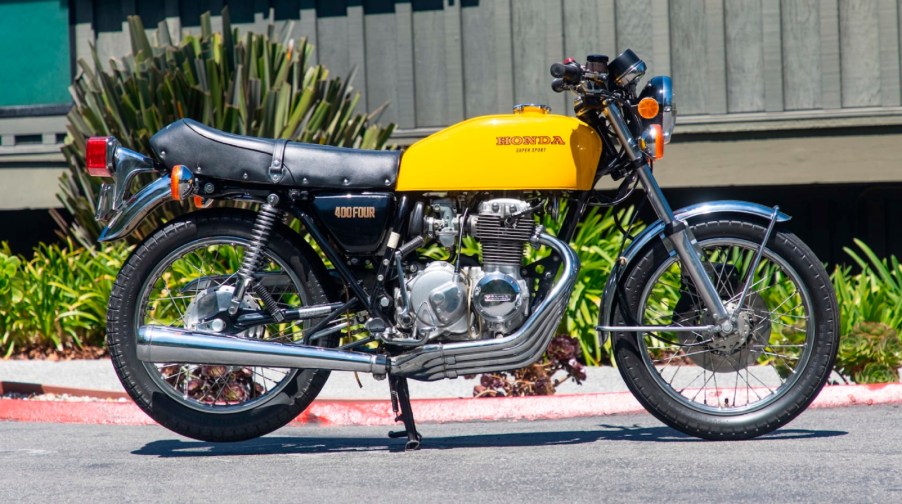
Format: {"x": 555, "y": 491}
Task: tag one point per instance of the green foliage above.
{"x": 874, "y": 295}
{"x": 597, "y": 242}
{"x": 58, "y": 299}
{"x": 870, "y": 305}
{"x": 9, "y": 266}
{"x": 871, "y": 353}
{"x": 249, "y": 84}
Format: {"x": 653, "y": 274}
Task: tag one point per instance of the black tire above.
{"x": 156, "y": 389}
{"x": 779, "y": 361}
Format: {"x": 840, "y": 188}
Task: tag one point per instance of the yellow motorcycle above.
{"x": 224, "y": 324}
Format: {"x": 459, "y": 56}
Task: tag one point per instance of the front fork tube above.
{"x": 683, "y": 242}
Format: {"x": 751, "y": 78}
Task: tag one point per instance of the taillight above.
{"x": 99, "y": 156}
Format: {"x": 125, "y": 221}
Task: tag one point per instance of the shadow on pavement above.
{"x": 273, "y": 445}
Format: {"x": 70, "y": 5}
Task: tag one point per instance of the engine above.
{"x": 472, "y": 302}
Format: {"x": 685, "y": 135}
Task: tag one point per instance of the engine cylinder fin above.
{"x": 503, "y": 244}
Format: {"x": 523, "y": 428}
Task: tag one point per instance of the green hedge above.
{"x": 57, "y": 299}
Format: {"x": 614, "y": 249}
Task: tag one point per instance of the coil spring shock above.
{"x": 269, "y": 302}
{"x": 263, "y": 225}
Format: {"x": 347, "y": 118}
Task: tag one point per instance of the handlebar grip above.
{"x": 571, "y": 74}
{"x": 557, "y": 85}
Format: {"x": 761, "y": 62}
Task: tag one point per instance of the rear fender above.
{"x": 655, "y": 231}
{"x": 132, "y": 211}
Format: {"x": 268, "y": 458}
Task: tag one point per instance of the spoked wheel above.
{"x": 753, "y": 379}
{"x": 184, "y": 275}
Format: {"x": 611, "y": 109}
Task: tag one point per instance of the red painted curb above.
{"x": 87, "y": 412}
{"x": 378, "y": 412}
{"x": 10, "y": 387}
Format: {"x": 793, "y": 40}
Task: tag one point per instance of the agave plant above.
{"x": 250, "y": 84}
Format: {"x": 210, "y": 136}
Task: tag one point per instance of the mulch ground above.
{"x": 53, "y": 354}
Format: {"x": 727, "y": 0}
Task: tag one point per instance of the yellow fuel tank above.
{"x": 529, "y": 149}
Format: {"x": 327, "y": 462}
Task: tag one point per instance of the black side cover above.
{"x": 216, "y": 154}
{"x": 357, "y": 221}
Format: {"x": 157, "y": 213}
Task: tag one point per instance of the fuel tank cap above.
{"x": 532, "y": 108}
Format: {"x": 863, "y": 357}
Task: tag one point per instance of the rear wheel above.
{"x": 181, "y": 276}
{"x": 747, "y": 382}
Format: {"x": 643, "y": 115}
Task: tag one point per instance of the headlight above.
{"x": 661, "y": 89}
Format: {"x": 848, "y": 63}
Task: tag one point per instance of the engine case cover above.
{"x": 497, "y": 296}
{"x": 438, "y": 301}
{"x": 501, "y": 299}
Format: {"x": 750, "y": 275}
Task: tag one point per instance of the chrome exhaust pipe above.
{"x": 171, "y": 344}
{"x": 521, "y": 348}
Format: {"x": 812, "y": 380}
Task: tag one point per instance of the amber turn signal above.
{"x": 648, "y": 108}
{"x": 181, "y": 182}
{"x": 659, "y": 140}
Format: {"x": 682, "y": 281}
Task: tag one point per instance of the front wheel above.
{"x": 181, "y": 276}
{"x": 740, "y": 384}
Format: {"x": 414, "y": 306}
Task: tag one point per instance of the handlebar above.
{"x": 569, "y": 73}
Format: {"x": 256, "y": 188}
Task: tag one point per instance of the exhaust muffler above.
{"x": 163, "y": 344}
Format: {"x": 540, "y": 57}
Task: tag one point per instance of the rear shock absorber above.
{"x": 267, "y": 217}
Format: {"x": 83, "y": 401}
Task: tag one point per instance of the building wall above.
{"x": 436, "y": 62}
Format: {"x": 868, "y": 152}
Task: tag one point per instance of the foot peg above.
{"x": 400, "y": 403}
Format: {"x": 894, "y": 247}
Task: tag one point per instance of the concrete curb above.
{"x": 378, "y": 412}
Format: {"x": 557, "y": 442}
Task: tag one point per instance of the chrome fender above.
{"x": 656, "y": 230}
{"x": 136, "y": 208}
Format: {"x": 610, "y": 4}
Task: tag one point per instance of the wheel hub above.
{"x": 735, "y": 350}
{"x": 209, "y": 311}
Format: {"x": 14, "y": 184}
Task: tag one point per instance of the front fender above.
{"x": 136, "y": 208}
{"x": 656, "y": 229}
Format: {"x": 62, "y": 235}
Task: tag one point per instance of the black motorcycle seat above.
{"x": 212, "y": 153}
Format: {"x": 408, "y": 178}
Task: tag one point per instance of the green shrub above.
{"x": 250, "y": 84}
{"x": 597, "y": 242}
{"x": 870, "y": 306}
{"x": 58, "y": 298}
{"x": 871, "y": 353}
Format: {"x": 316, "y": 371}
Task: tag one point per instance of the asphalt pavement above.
{"x": 844, "y": 455}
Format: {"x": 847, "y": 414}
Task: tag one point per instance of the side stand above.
{"x": 400, "y": 403}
